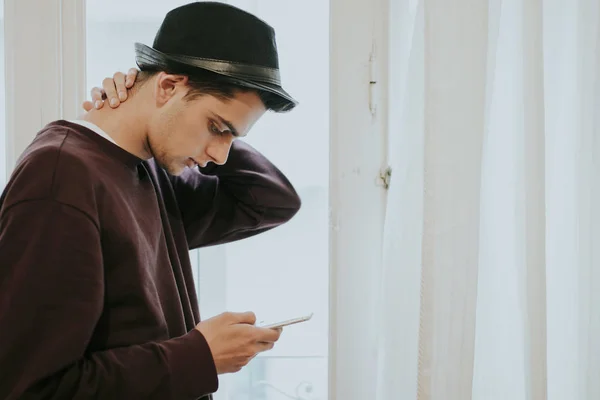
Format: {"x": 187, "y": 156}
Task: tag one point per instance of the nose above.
{"x": 218, "y": 149}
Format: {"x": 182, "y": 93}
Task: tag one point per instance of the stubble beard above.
{"x": 166, "y": 162}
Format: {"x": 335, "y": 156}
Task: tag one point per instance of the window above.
{"x": 282, "y": 273}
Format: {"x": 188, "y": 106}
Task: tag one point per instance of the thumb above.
{"x": 246, "y": 318}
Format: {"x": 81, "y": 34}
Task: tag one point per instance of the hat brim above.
{"x": 253, "y": 77}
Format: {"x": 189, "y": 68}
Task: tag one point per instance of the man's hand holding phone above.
{"x": 234, "y": 340}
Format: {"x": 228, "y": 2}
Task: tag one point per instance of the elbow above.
{"x": 287, "y": 209}
{"x": 294, "y": 206}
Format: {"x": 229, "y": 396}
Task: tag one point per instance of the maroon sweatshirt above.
{"x": 97, "y": 297}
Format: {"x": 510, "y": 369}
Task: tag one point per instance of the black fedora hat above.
{"x": 220, "y": 38}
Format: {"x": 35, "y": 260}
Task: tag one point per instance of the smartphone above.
{"x": 293, "y": 321}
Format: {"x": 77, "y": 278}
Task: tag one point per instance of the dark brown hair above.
{"x": 209, "y": 83}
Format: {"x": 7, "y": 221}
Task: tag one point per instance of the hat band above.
{"x": 148, "y": 56}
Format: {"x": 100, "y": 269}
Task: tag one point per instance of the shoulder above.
{"x": 59, "y": 164}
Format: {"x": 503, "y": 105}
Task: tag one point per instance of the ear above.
{"x": 168, "y": 86}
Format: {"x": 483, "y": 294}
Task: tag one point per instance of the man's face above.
{"x": 184, "y": 133}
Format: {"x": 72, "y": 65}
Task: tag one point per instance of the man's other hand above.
{"x": 113, "y": 91}
{"x": 234, "y": 340}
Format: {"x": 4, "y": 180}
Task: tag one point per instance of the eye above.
{"x": 215, "y": 129}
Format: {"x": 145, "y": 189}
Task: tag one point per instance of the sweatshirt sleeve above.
{"x": 51, "y": 297}
{"x": 242, "y": 198}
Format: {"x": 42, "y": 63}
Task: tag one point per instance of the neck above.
{"x": 126, "y": 125}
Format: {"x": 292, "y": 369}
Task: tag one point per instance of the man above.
{"x": 96, "y": 292}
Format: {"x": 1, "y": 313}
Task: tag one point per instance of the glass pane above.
{"x": 283, "y": 273}
{"x": 113, "y": 26}
{"x": 274, "y": 378}
{"x": 2, "y": 102}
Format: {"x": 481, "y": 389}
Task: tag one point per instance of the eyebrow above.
{"x": 229, "y": 125}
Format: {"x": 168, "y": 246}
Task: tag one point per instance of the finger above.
{"x": 97, "y": 97}
{"x": 108, "y": 84}
{"x": 262, "y": 347}
{"x": 268, "y": 335}
{"x": 88, "y": 105}
{"x": 131, "y": 76}
{"x": 119, "y": 79}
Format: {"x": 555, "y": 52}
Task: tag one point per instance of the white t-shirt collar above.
{"x": 93, "y": 127}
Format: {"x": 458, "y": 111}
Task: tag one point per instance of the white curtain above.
{"x": 491, "y": 278}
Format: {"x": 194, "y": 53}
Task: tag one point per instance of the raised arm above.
{"x": 221, "y": 203}
{"x": 245, "y": 196}
{"x": 51, "y": 297}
